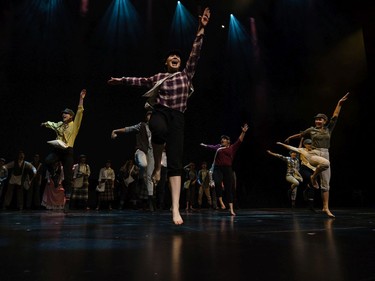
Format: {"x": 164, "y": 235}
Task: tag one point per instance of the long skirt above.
{"x": 53, "y": 198}
{"x": 108, "y": 194}
{"x": 81, "y": 193}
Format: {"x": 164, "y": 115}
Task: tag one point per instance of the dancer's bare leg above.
{"x": 314, "y": 176}
{"x": 222, "y": 205}
{"x": 175, "y": 183}
{"x": 232, "y": 213}
{"x": 325, "y": 199}
{"x": 158, "y": 152}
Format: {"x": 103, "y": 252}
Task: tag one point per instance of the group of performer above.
{"x": 163, "y": 131}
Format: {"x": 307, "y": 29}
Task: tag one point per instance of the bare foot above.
{"x": 156, "y": 176}
{"x": 328, "y": 213}
{"x": 314, "y": 182}
{"x": 232, "y": 213}
{"x": 177, "y": 219}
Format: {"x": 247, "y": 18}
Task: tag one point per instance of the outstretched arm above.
{"x": 116, "y": 131}
{"x": 244, "y": 130}
{"x": 339, "y": 104}
{"x": 115, "y": 81}
{"x": 299, "y": 135}
{"x": 289, "y": 147}
{"x": 129, "y": 129}
{"x": 273, "y": 154}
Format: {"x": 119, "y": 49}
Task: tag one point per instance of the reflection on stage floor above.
{"x": 257, "y": 244}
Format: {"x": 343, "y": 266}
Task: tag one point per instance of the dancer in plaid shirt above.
{"x": 169, "y": 103}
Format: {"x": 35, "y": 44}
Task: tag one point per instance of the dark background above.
{"x": 308, "y": 55}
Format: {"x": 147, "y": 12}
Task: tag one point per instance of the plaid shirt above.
{"x": 174, "y": 92}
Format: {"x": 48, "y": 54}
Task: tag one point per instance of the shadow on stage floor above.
{"x": 257, "y": 244}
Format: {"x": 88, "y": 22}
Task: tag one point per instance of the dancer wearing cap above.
{"x": 169, "y": 102}
{"x": 320, "y": 136}
{"x": 312, "y": 157}
{"x": 292, "y": 175}
{"x": 222, "y": 170}
{"x": 66, "y": 133}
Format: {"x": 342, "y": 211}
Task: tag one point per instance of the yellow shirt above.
{"x": 67, "y": 132}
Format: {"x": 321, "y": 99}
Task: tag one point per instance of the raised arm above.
{"x": 339, "y": 104}
{"x": 82, "y": 97}
{"x": 244, "y": 128}
{"x": 203, "y": 21}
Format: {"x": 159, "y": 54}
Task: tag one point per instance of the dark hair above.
{"x": 173, "y": 52}
{"x": 225, "y": 137}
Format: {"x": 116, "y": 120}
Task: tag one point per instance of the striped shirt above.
{"x": 174, "y": 92}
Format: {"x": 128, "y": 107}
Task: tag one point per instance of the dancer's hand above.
{"x": 83, "y": 93}
{"x": 245, "y": 128}
{"x": 204, "y": 19}
{"x": 344, "y": 98}
{"x": 115, "y": 81}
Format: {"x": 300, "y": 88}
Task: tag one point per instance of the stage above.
{"x": 257, "y": 244}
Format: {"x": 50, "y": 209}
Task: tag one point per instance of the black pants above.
{"x": 167, "y": 127}
{"x": 223, "y": 175}
{"x": 306, "y": 172}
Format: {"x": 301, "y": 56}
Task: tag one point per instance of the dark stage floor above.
{"x": 257, "y": 244}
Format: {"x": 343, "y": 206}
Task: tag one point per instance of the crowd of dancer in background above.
{"x": 123, "y": 188}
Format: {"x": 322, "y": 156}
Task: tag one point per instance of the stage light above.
{"x": 120, "y": 27}
{"x": 184, "y": 26}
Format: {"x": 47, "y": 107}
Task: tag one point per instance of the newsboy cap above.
{"x": 68, "y": 111}
{"x": 321, "y": 115}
